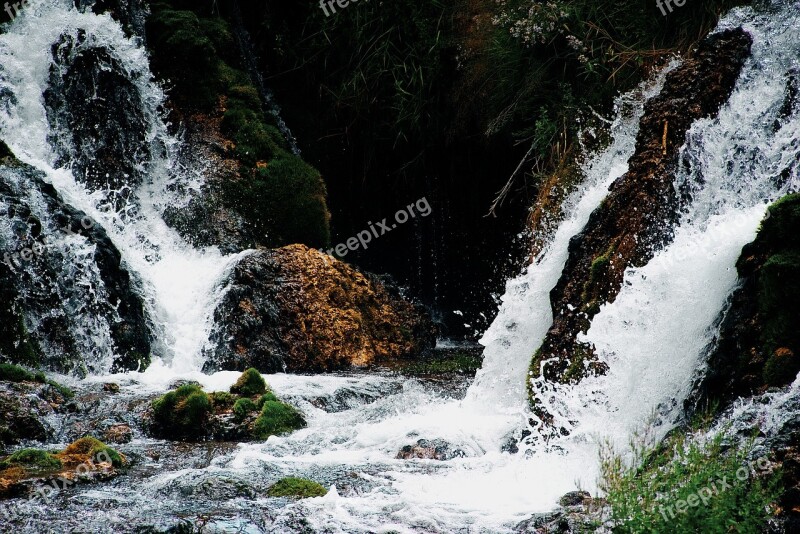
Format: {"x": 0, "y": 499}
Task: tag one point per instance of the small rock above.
{"x": 111, "y": 387}
{"x": 424, "y": 449}
{"x": 118, "y": 434}
{"x": 574, "y": 498}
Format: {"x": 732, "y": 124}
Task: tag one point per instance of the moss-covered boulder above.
{"x": 298, "y": 488}
{"x": 85, "y": 460}
{"x": 182, "y": 414}
{"x": 250, "y": 384}
{"x": 760, "y": 334}
{"x": 277, "y": 418}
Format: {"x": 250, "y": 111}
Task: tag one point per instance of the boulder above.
{"x": 296, "y": 309}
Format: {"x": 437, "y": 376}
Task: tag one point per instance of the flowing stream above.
{"x": 652, "y": 336}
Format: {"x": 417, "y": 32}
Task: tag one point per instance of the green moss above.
{"x": 277, "y": 418}
{"x": 285, "y": 203}
{"x": 781, "y": 368}
{"x": 96, "y": 450}
{"x": 222, "y": 399}
{"x": 183, "y": 413}
{"x": 251, "y": 383}
{"x": 243, "y": 408}
{"x": 15, "y": 373}
{"x": 266, "y": 397}
{"x": 15, "y": 341}
{"x": 35, "y": 459}
{"x": 456, "y": 363}
{"x": 299, "y": 488}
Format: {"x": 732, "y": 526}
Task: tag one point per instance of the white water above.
{"x": 651, "y": 336}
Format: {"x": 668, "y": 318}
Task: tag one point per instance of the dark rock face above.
{"x": 22, "y": 411}
{"x": 759, "y": 339}
{"x": 97, "y": 116}
{"x": 296, "y": 309}
{"x": 131, "y": 14}
{"x": 41, "y": 296}
{"x": 640, "y": 211}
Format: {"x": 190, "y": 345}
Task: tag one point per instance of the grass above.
{"x": 34, "y": 459}
{"x": 183, "y": 413}
{"x": 676, "y": 487}
{"x": 299, "y": 488}
{"x": 249, "y": 384}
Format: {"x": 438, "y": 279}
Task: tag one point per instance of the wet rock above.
{"x": 118, "y": 434}
{"x": 296, "y": 309}
{"x": 111, "y": 387}
{"x": 38, "y": 290}
{"x": 574, "y": 498}
{"x": 22, "y": 416}
{"x": 641, "y": 209}
{"x": 436, "y": 449}
{"x": 759, "y": 335}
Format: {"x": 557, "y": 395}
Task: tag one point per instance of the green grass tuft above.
{"x": 243, "y": 408}
{"x": 277, "y": 418}
{"x": 183, "y": 413}
{"x": 34, "y": 459}
{"x": 299, "y": 488}
{"x": 250, "y": 384}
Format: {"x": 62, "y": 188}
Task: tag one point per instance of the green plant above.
{"x": 269, "y": 396}
{"x": 300, "y": 488}
{"x": 222, "y": 399}
{"x": 15, "y": 373}
{"x": 243, "y": 408}
{"x": 277, "y": 418}
{"x": 35, "y": 459}
{"x": 183, "y": 413}
{"x": 249, "y": 384}
{"x": 677, "y": 487}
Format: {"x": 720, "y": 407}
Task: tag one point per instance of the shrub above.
{"x": 643, "y": 498}
{"x": 251, "y": 383}
{"x": 243, "y": 408}
{"x": 277, "y": 418}
{"x": 183, "y": 413}
{"x": 32, "y": 459}
{"x": 222, "y": 399}
{"x": 300, "y": 488}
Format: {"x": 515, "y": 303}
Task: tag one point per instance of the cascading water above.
{"x": 651, "y": 337}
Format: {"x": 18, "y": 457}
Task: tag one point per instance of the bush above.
{"x": 277, "y": 418}
{"x": 251, "y": 383}
{"x": 645, "y": 497}
{"x": 300, "y": 488}
{"x": 182, "y": 414}
{"x": 35, "y": 459}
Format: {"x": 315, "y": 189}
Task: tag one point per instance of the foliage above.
{"x": 652, "y": 495}
{"x": 277, "y": 418}
{"x": 250, "y": 383}
{"x": 455, "y": 363}
{"x": 32, "y": 459}
{"x": 183, "y": 413}
{"x": 222, "y": 399}
{"x": 300, "y": 488}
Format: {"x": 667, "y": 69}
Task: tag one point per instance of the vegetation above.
{"x": 183, "y": 414}
{"x": 299, "y": 488}
{"x": 279, "y": 195}
{"x": 33, "y": 459}
{"x": 222, "y": 399}
{"x": 459, "y": 362}
{"x": 277, "y": 418}
{"x": 95, "y": 450}
{"x": 15, "y": 373}
{"x": 677, "y": 487}
{"x": 250, "y": 384}
{"x": 243, "y": 408}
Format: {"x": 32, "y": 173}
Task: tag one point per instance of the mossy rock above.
{"x": 266, "y": 397}
{"x": 14, "y": 373}
{"x": 298, "y": 488}
{"x": 277, "y": 418}
{"x": 32, "y": 459}
{"x": 95, "y": 450}
{"x": 250, "y": 384}
{"x": 222, "y": 399}
{"x": 182, "y": 414}
{"x": 243, "y": 408}
{"x": 781, "y": 368}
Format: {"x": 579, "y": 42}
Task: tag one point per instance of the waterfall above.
{"x": 180, "y": 284}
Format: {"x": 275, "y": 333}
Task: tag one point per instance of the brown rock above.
{"x": 297, "y": 309}
{"x": 641, "y": 209}
{"x": 118, "y": 434}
